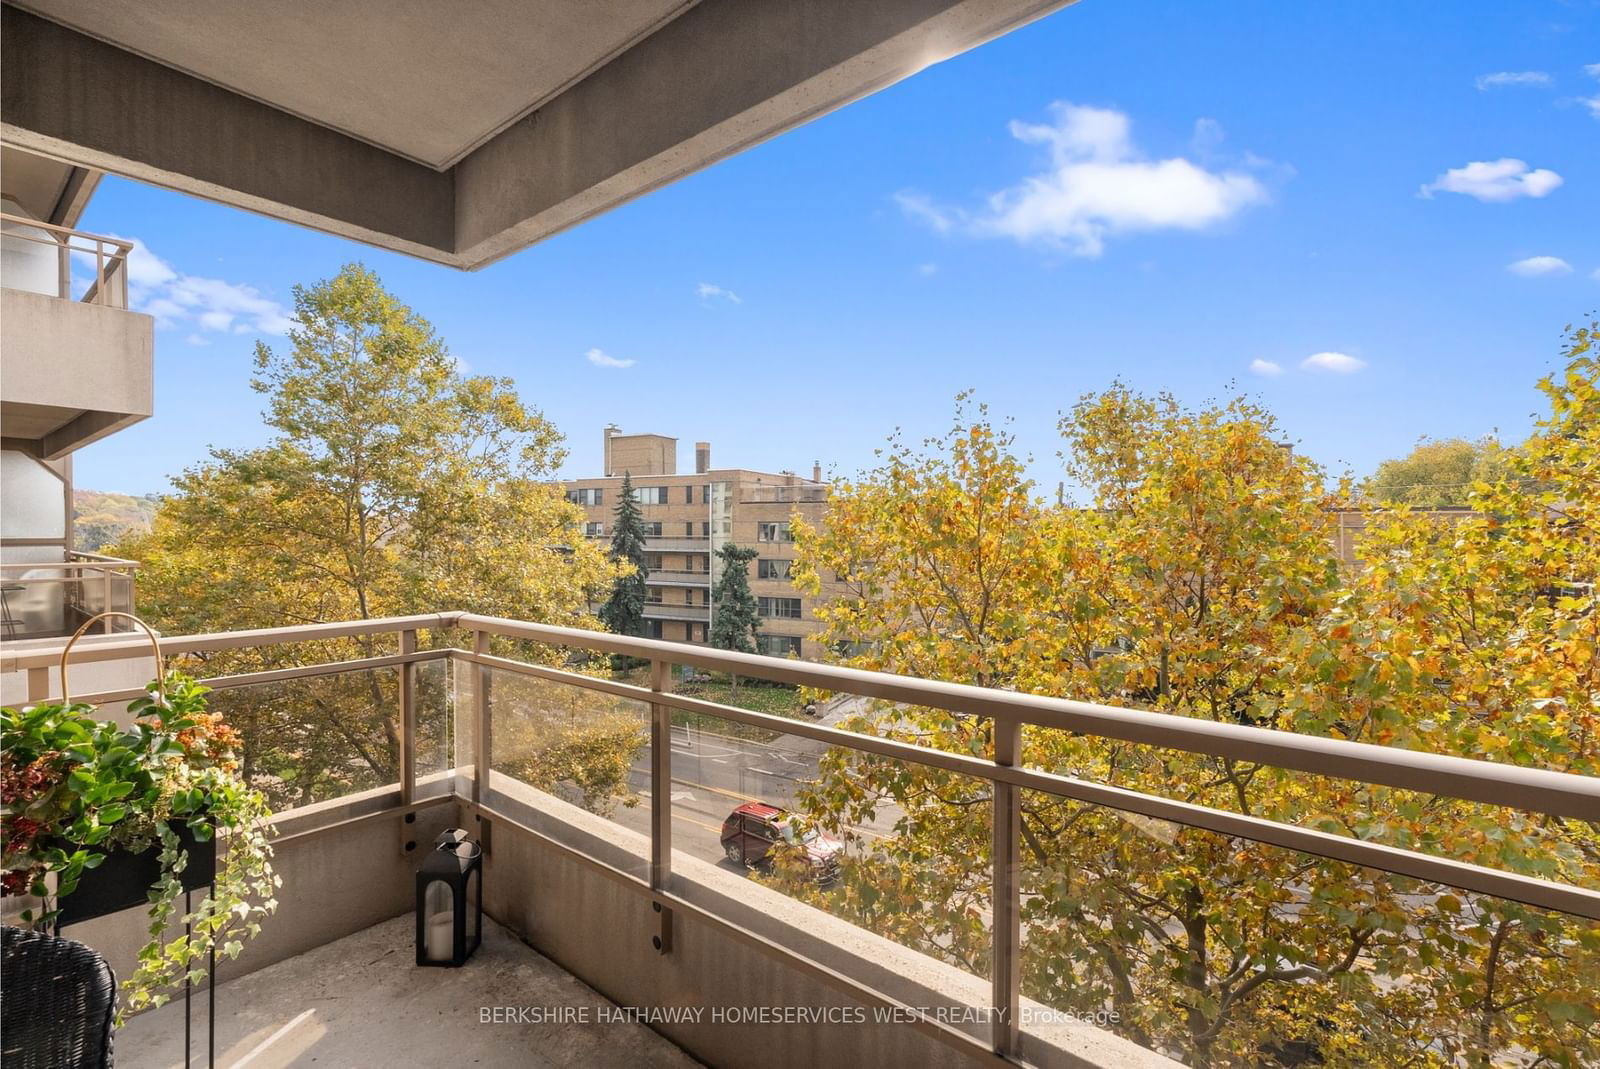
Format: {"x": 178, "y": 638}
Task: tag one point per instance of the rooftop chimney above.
{"x": 702, "y": 457}
{"x": 816, "y": 471}
{"x": 611, "y": 431}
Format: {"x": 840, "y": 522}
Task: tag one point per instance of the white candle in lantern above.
{"x": 441, "y": 931}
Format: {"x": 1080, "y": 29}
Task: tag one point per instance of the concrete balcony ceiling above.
{"x": 456, "y": 133}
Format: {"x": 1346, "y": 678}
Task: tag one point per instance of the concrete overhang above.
{"x": 71, "y": 372}
{"x": 458, "y": 133}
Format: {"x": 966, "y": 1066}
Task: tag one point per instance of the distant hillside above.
{"x": 102, "y": 519}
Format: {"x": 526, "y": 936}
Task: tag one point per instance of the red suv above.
{"x": 752, "y": 831}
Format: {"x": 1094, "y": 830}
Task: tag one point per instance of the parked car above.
{"x": 754, "y": 830}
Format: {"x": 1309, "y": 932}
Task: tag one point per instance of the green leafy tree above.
{"x": 1438, "y": 473}
{"x": 1203, "y": 583}
{"x": 393, "y": 484}
{"x": 734, "y": 621}
{"x": 623, "y": 612}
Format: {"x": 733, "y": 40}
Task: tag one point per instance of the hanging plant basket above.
{"x": 123, "y": 880}
{"x": 100, "y": 818}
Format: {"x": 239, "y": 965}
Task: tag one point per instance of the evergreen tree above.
{"x": 733, "y": 611}
{"x": 623, "y": 612}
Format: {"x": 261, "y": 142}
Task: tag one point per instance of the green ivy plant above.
{"x": 73, "y": 788}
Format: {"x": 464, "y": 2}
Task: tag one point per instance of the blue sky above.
{"x": 1161, "y": 191}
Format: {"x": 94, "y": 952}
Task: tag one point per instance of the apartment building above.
{"x": 76, "y": 365}
{"x": 689, "y": 516}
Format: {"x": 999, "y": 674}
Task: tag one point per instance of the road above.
{"x": 713, "y": 774}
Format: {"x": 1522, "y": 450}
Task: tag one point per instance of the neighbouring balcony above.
{"x": 669, "y": 578}
{"x": 42, "y": 599}
{"x": 75, "y": 363}
{"x": 623, "y": 890}
{"x": 678, "y": 544}
{"x": 656, "y": 610}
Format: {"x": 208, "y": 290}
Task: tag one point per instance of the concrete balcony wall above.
{"x": 599, "y": 928}
{"x": 72, "y": 372}
{"x": 659, "y": 611}
{"x": 343, "y": 870}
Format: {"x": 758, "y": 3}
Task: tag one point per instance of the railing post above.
{"x": 105, "y": 625}
{"x": 408, "y": 719}
{"x": 660, "y": 779}
{"x": 1006, "y": 965}
{"x": 63, "y": 268}
{"x": 480, "y": 759}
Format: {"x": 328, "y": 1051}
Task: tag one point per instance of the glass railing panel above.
{"x": 317, "y": 738}
{"x": 435, "y": 765}
{"x": 897, "y": 849}
{"x": 560, "y": 750}
{"x": 1219, "y": 951}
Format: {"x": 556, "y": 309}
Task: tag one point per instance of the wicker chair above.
{"x": 60, "y": 999}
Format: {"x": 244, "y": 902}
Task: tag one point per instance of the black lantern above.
{"x": 449, "y": 927}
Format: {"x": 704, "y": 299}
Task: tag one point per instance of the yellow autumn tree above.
{"x": 394, "y": 484}
{"x": 1201, "y": 580}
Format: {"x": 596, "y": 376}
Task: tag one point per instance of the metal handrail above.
{"x": 109, "y": 285}
{"x": 1534, "y": 790}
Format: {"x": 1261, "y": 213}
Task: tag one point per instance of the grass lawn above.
{"x": 760, "y": 698}
{"x": 775, "y": 700}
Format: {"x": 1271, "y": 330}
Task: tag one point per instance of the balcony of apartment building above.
{"x": 678, "y": 578}
{"x": 666, "y": 610}
{"x": 76, "y": 365}
{"x": 591, "y": 906}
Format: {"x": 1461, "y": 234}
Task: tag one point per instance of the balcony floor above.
{"x": 361, "y": 1001}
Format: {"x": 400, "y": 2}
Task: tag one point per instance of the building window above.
{"x": 652, "y": 629}
{"x": 773, "y": 532}
{"x": 652, "y": 595}
{"x": 773, "y": 569}
{"x": 705, "y": 528}
{"x": 778, "y": 645}
{"x": 650, "y": 495}
{"x": 780, "y": 608}
{"x": 688, "y": 530}
{"x": 586, "y": 496}
{"x": 688, "y": 495}
{"x": 653, "y": 529}
{"x": 652, "y": 561}
{"x": 594, "y": 530}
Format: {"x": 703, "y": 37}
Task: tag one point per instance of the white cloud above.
{"x": 176, "y": 300}
{"x": 920, "y": 206}
{"x": 1592, "y": 70}
{"x": 1535, "y": 266}
{"x": 198, "y": 339}
{"x": 1338, "y": 363}
{"x": 711, "y": 292}
{"x": 599, "y": 358}
{"x": 1097, "y": 185}
{"x": 1265, "y": 367}
{"x": 1595, "y": 274}
{"x": 1509, "y": 79}
{"x": 927, "y": 269}
{"x": 1498, "y": 180}
{"x": 1592, "y": 104}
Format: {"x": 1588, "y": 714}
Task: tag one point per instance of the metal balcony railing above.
{"x": 657, "y": 610}
{"x": 103, "y": 260}
{"x": 678, "y": 578}
{"x": 1535, "y": 791}
{"x": 50, "y": 599}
